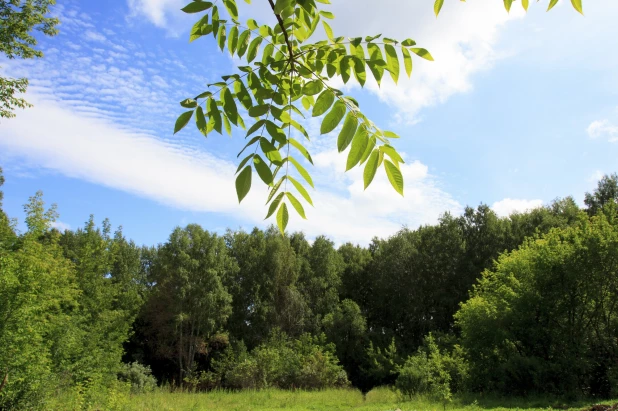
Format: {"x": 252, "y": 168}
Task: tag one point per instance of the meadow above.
{"x": 381, "y": 399}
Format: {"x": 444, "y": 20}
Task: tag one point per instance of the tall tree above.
{"x": 606, "y": 191}
{"x": 19, "y": 19}
{"x": 189, "y": 302}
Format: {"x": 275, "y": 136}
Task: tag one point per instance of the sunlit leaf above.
{"x": 243, "y": 183}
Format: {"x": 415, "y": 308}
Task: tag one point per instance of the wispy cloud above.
{"x": 603, "y": 129}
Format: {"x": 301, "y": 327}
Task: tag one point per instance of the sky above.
{"x": 516, "y": 110}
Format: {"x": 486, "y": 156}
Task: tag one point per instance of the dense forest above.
{"x": 521, "y": 305}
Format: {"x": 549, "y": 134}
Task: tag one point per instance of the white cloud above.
{"x": 60, "y": 226}
{"x": 164, "y": 14}
{"x": 603, "y": 129}
{"x": 508, "y": 206}
{"x": 97, "y": 150}
{"x": 94, "y": 36}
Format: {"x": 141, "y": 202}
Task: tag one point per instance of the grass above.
{"x": 381, "y": 399}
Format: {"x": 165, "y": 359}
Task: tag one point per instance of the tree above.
{"x": 189, "y": 302}
{"x": 37, "y": 290}
{"x": 293, "y": 69}
{"x": 606, "y": 191}
{"x": 545, "y": 318}
{"x": 19, "y": 18}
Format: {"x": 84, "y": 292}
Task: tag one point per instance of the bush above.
{"x": 140, "y": 376}
{"x": 307, "y": 363}
{"x": 432, "y": 372}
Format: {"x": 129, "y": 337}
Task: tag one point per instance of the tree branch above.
{"x": 285, "y": 33}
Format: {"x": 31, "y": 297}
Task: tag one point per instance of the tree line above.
{"x": 518, "y": 305}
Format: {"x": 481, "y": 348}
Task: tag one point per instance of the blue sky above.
{"x": 515, "y": 111}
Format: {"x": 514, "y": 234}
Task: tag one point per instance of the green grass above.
{"x": 381, "y": 399}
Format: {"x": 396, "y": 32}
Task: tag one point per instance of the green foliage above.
{"x": 19, "y": 18}
{"x": 432, "y": 372}
{"x": 280, "y": 362}
{"x": 188, "y": 302}
{"x": 606, "y": 191}
{"x": 293, "y": 69}
{"x": 544, "y": 319}
{"x": 37, "y": 290}
{"x": 139, "y": 376}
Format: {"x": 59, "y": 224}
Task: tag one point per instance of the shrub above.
{"x": 432, "y": 372}
{"x": 140, "y": 376}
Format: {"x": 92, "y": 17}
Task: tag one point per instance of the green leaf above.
{"x": 301, "y": 170}
{"x": 243, "y": 42}
{"x": 301, "y": 149}
{"x": 275, "y": 203}
{"x": 273, "y": 190}
{"x": 333, "y": 118}
{"x": 242, "y": 94}
{"x": 296, "y": 204}
{"x": 229, "y": 106}
{"x": 329, "y": 31}
{"x": 407, "y": 61}
{"x": 252, "y": 24}
{"x": 437, "y": 6}
{"x": 267, "y": 53}
{"x": 214, "y": 116}
{"x": 227, "y": 125}
{"x": 250, "y": 143}
{"x": 182, "y": 121}
{"x": 508, "y": 4}
{"x": 232, "y": 41}
{"x": 390, "y": 134}
{"x": 200, "y": 120}
{"x": 359, "y": 71}
{"x": 344, "y": 69}
{"x": 280, "y": 5}
{"x": 282, "y": 218}
{"x": 377, "y": 69}
{"x": 200, "y": 28}
{"x": 263, "y": 170}
{"x": 408, "y": 43}
{"x": 370, "y": 145}
{"x": 347, "y": 132}
{"x": 270, "y": 151}
{"x": 301, "y": 190}
{"x": 370, "y": 168}
{"x": 577, "y": 4}
{"x": 255, "y": 127}
{"x": 243, "y": 183}
{"x": 525, "y": 4}
{"x": 552, "y": 3}
{"x": 276, "y": 132}
{"x": 359, "y": 144}
{"x": 323, "y": 103}
{"x": 312, "y": 88}
{"x": 243, "y": 162}
{"x": 188, "y": 103}
{"x": 257, "y": 111}
{"x": 231, "y": 8}
{"x": 253, "y": 49}
{"x": 197, "y": 6}
{"x": 307, "y": 102}
{"x": 394, "y": 176}
{"x": 392, "y": 153}
{"x": 327, "y": 14}
{"x": 392, "y": 62}
{"x": 221, "y": 37}
{"x": 422, "y": 53}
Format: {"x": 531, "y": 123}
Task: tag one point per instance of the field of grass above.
{"x": 332, "y": 400}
